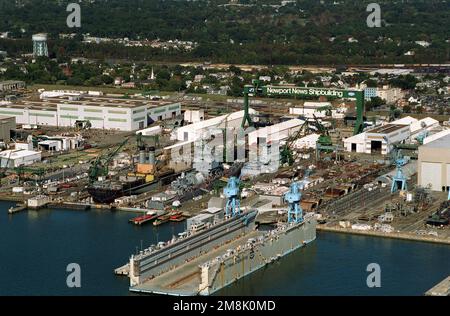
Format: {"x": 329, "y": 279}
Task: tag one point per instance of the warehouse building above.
{"x": 277, "y": 132}
{"x": 102, "y": 112}
{"x": 381, "y": 138}
{"x": 306, "y": 142}
{"x": 378, "y": 140}
{"x": 16, "y": 158}
{"x": 11, "y": 85}
{"x": 7, "y": 124}
{"x": 311, "y": 109}
{"x": 435, "y": 136}
{"x": 416, "y": 127}
{"x": 193, "y": 132}
{"x": 434, "y": 164}
{"x": 194, "y": 116}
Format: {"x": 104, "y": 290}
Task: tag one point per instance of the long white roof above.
{"x": 415, "y": 124}
{"x": 441, "y": 142}
{"x": 268, "y": 130}
{"x": 356, "y": 139}
{"x": 423, "y": 124}
{"x": 16, "y": 154}
{"x": 407, "y": 120}
{"x": 216, "y": 121}
{"x": 433, "y": 137}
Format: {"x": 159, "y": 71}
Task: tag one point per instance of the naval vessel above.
{"x": 209, "y": 256}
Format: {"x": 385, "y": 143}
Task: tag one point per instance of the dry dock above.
{"x": 123, "y": 270}
{"x": 441, "y": 289}
{"x": 185, "y": 279}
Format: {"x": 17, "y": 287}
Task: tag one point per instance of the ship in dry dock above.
{"x": 107, "y": 191}
{"x": 219, "y": 247}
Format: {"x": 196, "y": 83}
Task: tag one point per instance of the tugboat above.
{"x": 161, "y": 219}
{"x": 176, "y": 216}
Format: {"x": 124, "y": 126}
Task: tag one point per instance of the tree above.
{"x": 107, "y": 79}
{"x": 404, "y": 82}
{"x": 407, "y": 109}
{"x": 374, "y": 103}
{"x": 371, "y": 83}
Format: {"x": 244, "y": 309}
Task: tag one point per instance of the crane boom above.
{"x": 100, "y": 165}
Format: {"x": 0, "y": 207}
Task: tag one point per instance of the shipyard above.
{"x": 250, "y": 184}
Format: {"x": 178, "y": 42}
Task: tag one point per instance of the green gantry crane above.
{"x": 100, "y": 166}
{"x": 324, "y": 138}
{"x": 255, "y": 89}
{"x": 286, "y": 152}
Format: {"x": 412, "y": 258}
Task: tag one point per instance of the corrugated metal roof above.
{"x": 15, "y": 154}
{"x": 214, "y": 121}
{"x": 407, "y": 120}
{"x": 442, "y": 142}
{"x": 423, "y": 124}
{"x": 357, "y": 139}
{"x": 279, "y": 127}
{"x": 433, "y": 137}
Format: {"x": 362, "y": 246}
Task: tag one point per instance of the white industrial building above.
{"x": 194, "y": 116}
{"x": 416, "y": 126}
{"x": 18, "y": 157}
{"x": 318, "y": 109}
{"x": 151, "y": 131}
{"x": 310, "y": 109}
{"x": 377, "y": 140}
{"x": 307, "y": 142}
{"x": 381, "y": 138}
{"x": 7, "y": 124}
{"x": 277, "y": 132}
{"x": 102, "y": 112}
{"x": 193, "y": 132}
{"x": 433, "y": 137}
{"x": 50, "y": 145}
{"x": 11, "y": 85}
{"x": 434, "y": 164}
{"x": 390, "y": 95}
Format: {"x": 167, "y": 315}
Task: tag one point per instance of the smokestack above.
{"x": 151, "y": 155}
{"x": 142, "y": 156}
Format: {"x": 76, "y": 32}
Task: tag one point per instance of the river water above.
{"x": 36, "y": 247}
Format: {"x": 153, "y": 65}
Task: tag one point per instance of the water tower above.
{"x": 40, "y": 45}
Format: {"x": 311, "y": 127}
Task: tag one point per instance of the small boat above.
{"x": 143, "y": 219}
{"x": 176, "y": 216}
{"x": 161, "y": 220}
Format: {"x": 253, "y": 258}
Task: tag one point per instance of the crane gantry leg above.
{"x": 231, "y": 192}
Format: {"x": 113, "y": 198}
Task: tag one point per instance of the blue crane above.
{"x": 231, "y": 192}
{"x": 420, "y": 138}
{"x": 399, "y": 180}
{"x": 293, "y": 198}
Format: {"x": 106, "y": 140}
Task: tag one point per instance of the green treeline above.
{"x": 256, "y": 32}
